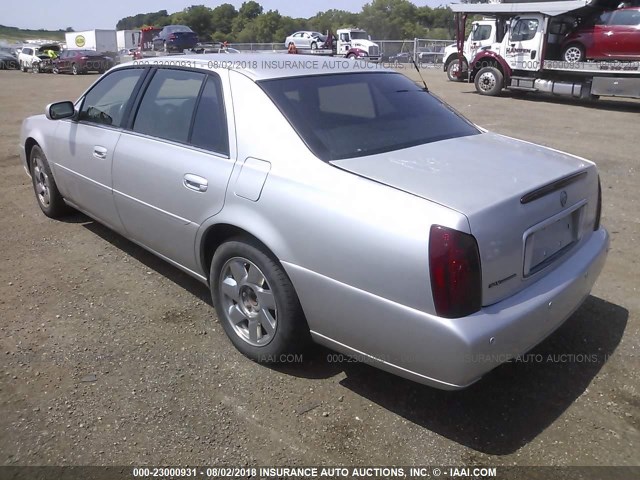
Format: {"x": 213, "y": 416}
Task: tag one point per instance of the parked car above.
{"x": 82, "y": 61}
{"x": 35, "y": 58}
{"x": 175, "y": 37}
{"x": 611, "y": 35}
{"x": 402, "y": 57}
{"x": 8, "y": 61}
{"x": 306, "y": 39}
{"x": 368, "y": 216}
{"x": 430, "y": 54}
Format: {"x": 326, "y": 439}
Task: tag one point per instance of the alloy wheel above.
{"x": 42, "y": 183}
{"x": 248, "y": 302}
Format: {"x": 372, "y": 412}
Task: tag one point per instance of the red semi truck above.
{"x": 561, "y": 47}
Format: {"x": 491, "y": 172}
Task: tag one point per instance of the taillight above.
{"x": 456, "y": 280}
{"x": 172, "y": 37}
{"x": 596, "y": 225}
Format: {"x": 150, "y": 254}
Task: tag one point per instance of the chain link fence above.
{"x": 424, "y": 51}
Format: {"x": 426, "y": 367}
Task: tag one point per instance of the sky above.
{"x": 90, "y": 14}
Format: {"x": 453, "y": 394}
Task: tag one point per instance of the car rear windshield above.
{"x": 356, "y": 114}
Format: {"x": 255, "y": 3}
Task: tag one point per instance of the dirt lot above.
{"x": 107, "y": 357}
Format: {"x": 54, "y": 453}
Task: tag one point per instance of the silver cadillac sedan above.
{"x": 333, "y": 201}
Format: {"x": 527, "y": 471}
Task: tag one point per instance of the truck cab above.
{"x": 531, "y": 56}
{"x": 483, "y": 34}
{"x": 356, "y": 43}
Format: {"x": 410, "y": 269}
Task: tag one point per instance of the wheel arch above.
{"x": 215, "y": 234}
{"x": 489, "y": 59}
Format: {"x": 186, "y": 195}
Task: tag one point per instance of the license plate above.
{"x": 548, "y": 242}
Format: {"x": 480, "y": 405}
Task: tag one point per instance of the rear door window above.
{"x": 168, "y": 105}
{"x": 210, "y": 123}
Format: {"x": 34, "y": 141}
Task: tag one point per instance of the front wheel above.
{"x": 23, "y": 67}
{"x": 314, "y": 45}
{"x": 351, "y": 55}
{"x": 74, "y": 69}
{"x": 256, "y": 302}
{"x": 49, "y": 198}
{"x": 35, "y": 68}
{"x": 454, "y": 67}
{"x": 573, "y": 53}
{"x": 489, "y": 81}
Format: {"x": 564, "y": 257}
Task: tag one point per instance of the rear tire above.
{"x": 74, "y": 69}
{"x": 255, "y": 302}
{"x": 47, "y": 194}
{"x": 314, "y": 46}
{"x": 489, "y": 81}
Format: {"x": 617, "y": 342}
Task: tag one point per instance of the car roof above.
{"x": 266, "y": 66}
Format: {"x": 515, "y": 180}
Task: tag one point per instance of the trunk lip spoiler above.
{"x": 552, "y": 187}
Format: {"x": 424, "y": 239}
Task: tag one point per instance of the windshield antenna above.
{"x": 413, "y": 60}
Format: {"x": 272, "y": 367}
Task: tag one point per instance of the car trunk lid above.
{"x": 527, "y": 205}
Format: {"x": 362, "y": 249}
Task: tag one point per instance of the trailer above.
{"x": 97, "y": 40}
{"x": 127, "y": 39}
{"x": 529, "y": 58}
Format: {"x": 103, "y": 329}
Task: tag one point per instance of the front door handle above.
{"x": 194, "y": 182}
{"x": 100, "y": 152}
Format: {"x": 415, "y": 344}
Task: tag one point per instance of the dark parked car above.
{"x": 175, "y": 37}
{"x": 82, "y": 61}
{"x": 403, "y": 57}
{"x": 431, "y": 54}
{"x": 612, "y": 35}
{"x": 7, "y": 61}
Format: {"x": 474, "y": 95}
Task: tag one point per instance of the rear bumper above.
{"x": 446, "y": 353}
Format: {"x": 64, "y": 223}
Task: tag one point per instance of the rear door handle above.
{"x": 194, "y": 182}
{"x": 100, "y": 152}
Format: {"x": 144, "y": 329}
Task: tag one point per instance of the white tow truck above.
{"x": 483, "y": 33}
{"x": 528, "y": 56}
{"x": 349, "y": 43}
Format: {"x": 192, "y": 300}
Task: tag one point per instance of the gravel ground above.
{"x": 110, "y": 356}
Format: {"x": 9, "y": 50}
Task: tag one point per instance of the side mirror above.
{"x": 60, "y": 110}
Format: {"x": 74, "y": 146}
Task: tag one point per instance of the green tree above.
{"x": 250, "y": 10}
{"x": 387, "y": 19}
{"x": 222, "y": 18}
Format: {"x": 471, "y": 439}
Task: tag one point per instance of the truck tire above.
{"x": 489, "y": 81}
{"x": 453, "y": 67}
{"x": 573, "y": 53}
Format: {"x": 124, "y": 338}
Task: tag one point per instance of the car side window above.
{"x": 524, "y": 30}
{"x": 210, "y": 124}
{"x": 482, "y": 32}
{"x": 106, "y": 101}
{"x": 168, "y": 105}
{"x": 626, "y": 18}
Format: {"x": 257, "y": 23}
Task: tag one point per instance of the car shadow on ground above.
{"x": 148, "y": 259}
{"x": 515, "y": 402}
{"x": 499, "y": 414}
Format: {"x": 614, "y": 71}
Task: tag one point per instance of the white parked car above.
{"x": 304, "y": 39}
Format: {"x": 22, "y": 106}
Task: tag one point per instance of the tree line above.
{"x": 383, "y": 19}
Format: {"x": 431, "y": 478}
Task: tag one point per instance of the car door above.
{"x": 598, "y": 37}
{"x": 61, "y": 62}
{"x": 84, "y": 146}
{"x": 172, "y": 167}
{"x": 525, "y": 40}
{"x": 625, "y": 33}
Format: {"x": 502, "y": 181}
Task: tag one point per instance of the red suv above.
{"x": 612, "y": 35}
